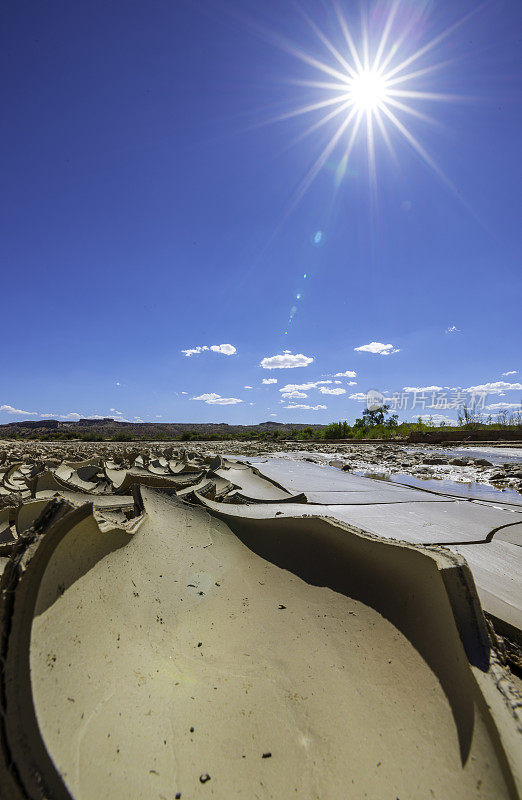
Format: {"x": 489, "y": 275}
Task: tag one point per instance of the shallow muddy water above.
{"x": 469, "y": 491}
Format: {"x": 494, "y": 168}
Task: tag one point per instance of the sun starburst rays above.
{"x": 376, "y": 81}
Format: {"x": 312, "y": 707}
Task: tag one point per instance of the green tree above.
{"x": 373, "y": 417}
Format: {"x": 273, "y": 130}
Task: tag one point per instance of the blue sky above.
{"x": 154, "y": 201}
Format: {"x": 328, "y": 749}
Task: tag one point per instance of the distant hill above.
{"x": 108, "y": 428}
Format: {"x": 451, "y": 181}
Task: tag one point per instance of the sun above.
{"x": 368, "y": 90}
{"x": 372, "y": 86}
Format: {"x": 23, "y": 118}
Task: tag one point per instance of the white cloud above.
{"x": 294, "y": 395}
{"x": 503, "y": 406}
{"x": 336, "y": 390}
{"x": 511, "y": 372}
{"x": 499, "y": 387}
{"x": 266, "y": 381}
{"x": 248, "y": 387}
{"x": 215, "y": 399}
{"x": 11, "y": 410}
{"x": 378, "y": 348}
{"x": 224, "y": 349}
{"x": 352, "y": 383}
{"x": 118, "y": 383}
{"x": 420, "y": 389}
{"x": 159, "y": 416}
{"x": 348, "y": 374}
{"x": 73, "y": 415}
{"x": 452, "y": 329}
{"x": 286, "y": 361}
{"x": 184, "y": 392}
{"x": 303, "y": 387}
{"x": 357, "y": 396}
{"x": 306, "y": 408}
{"x": 435, "y": 419}
{"x": 273, "y": 415}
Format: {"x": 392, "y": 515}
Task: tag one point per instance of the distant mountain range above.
{"x": 150, "y": 431}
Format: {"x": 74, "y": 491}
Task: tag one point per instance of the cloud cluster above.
{"x": 214, "y": 399}
{"x": 335, "y": 390}
{"x": 306, "y": 408}
{"x": 266, "y": 381}
{"x": 511, "y": 372}
{"x": 503, "y": 406}
{"x": 420, "y": 389}
{"x": 348, "y": 374}
{"x": 303, "y": 387}
{"x": 377, "y": 348}
{"x": 224, "y": 349}
{"x": 298, "y": 390}
{"x": 498, "y": 387}
{"x": 12, "y": 410}
{"x": 435, "y": 419}
{"x": 75, "y": 416}
{"x": 357, "y": 396}
{"x": 286, "y": 360}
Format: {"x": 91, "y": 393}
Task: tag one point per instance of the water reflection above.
{"x": 469, "y": 491}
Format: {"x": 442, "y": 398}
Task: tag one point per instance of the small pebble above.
{"x": 266, "y": 755}
{"x": 204, "y": 778}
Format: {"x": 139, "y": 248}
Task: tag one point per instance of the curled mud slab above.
{"x": 151, "y": 647}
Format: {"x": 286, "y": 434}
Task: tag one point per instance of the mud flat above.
{"x": 499, "y": 467}
{"x": 179, "y": 625}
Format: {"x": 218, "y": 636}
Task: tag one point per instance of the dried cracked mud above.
{"x": 180, "y": 625}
